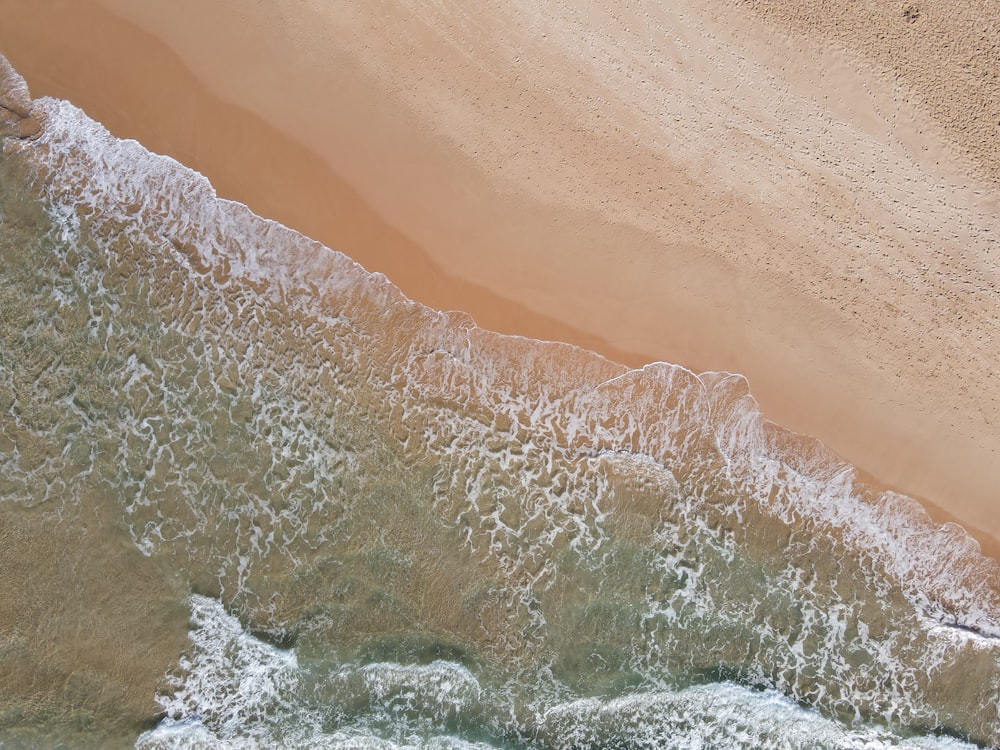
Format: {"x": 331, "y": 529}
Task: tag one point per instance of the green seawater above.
{"x": 251, "y": 496}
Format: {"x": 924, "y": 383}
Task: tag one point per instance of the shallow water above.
{"x": 254, "y": 497}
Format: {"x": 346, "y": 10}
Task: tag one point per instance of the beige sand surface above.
{"x": 805, "y": 195}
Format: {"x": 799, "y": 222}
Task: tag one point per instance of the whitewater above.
{"x": 373, "y": 524}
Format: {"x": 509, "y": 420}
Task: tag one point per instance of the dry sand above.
{"x": 802, "y": 193}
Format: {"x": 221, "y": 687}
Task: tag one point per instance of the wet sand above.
{"x": 722, "y": 186}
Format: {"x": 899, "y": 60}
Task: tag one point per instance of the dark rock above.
{"x": 17, "y": 115}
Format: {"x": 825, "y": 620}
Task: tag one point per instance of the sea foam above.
{"x": 612, "y": 550}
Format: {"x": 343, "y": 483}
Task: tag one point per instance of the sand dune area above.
{"x": 805, "y": 193}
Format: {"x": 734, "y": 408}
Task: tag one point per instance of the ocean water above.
{"x": 251, "y": 496}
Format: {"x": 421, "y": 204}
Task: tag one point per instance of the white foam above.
{"x": 237, "y": 693}
{"x": 176, "y": 202}
{"x": 522, "y": 490}
{"x": 229, "y": 678}
{"x": 717, "y": 715}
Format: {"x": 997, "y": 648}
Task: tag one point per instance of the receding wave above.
{"x": 402, "y": 530}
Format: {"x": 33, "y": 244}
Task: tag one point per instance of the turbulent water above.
{"x": 252, "y": 496}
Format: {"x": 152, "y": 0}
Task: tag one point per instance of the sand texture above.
{"x": 804, "y": 193}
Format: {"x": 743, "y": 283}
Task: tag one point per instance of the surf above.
{"x": 354, "y": 490}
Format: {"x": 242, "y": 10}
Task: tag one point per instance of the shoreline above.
{"x": 812, "y": 366}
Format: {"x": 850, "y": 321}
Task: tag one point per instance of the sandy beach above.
{"x": 805, "y": 196}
